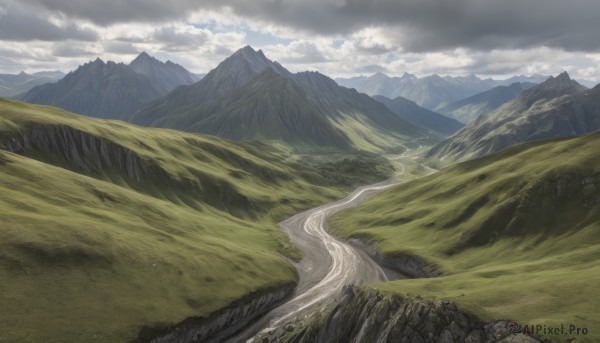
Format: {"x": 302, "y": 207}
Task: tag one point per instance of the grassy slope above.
{"x": 515, "y": 233}
{"x": 91, "y": 255}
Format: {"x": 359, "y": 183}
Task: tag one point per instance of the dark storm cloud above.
{"x": 420, "y": 25}
{"x": 24, "y": 23}
{"x": 109, "y": 12}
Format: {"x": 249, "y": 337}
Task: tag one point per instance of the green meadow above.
{"x": 169, "y": 225}
{"x": 515, "y": 234}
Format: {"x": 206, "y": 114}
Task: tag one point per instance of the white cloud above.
{"x": 204, "y": 37}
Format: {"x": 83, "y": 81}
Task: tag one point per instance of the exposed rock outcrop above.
{"x": 219, "y": 325}
{"x": 407, "y": 265}
{"x": 98, "y": 157}
{"x": 362, "y": 315}
{"x": 80, "y": 148}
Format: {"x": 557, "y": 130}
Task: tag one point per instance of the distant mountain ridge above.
{"x": 111, "y": 90}
{"x": 415, "y": 114}
{"x": 558, "y": 107}
{"x": 12, "y": 85}
{"x": 469, "y": 109}
{"x": 248, "y": 96}
{"x": 167, "y": 75}
{"x": 433, "y": 92}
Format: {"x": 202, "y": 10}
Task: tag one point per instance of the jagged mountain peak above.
{"x": 249, "y": 52}
{"x": 167, "y": 75}
{"x": 144, "y": 57}
{"x": 109, "y": 89}
{"x": 551, "y": 88}
{"x": 564, "y": 76}
{"x": 241, "y": 65}
{"x": 408, "y": 76}
{"x": 472, "y": 76}
{"x": 561, "y": 79}
{"x": 247, "y": 49}
{"x": 256, "y": 60}
{"x": 379, "y": 76}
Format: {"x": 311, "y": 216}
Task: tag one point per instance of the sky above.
{"x": 340, "y": 38}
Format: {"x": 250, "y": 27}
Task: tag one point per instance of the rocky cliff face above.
{"x": 366, "y": 315}
{"x": 81, "y": 149}
{"x": 98, "y": 157}
{"x": 406, "y": 265}
{"x": 219, "y": 325}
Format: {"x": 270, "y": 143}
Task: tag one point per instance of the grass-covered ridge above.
{"x": 515, "y": 233}
{"x": 105, "y": 226}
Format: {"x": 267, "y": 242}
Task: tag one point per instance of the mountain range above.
{"x": 248, "y": 96}
{"x": 432, "y": 92}
{"x": 111, "y": 90}
{"x": 14, "y": 84}
{"x": 178, "y": 201}
{"x": 467, "y": 110}
{"x": 415, "y": 114}
{"x": 558, "y": 107}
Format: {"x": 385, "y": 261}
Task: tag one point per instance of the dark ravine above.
{"x": 218, "y": 325}
{"x": 368, "y": 315}
{"x": 398, "y": 265}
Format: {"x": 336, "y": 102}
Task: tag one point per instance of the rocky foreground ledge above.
{"x": 219, "y": 325}
{"x": 367, "y": 315}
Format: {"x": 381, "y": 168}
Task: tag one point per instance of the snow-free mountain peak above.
{"x": 165, "y": 75}
{"x": 249, "y": 62}
{"x": 558, "y": 107}
{"x": 408, "y": 76}
{"x": 552, "y": 88}
{"x": 379, "y": 76}
{"x": 111, "y": 90}
{"x": 144, "y": 58}
{"x": 248, "y": 96}
{"x": 564, "y": 76}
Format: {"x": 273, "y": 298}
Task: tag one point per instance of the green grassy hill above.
{"x": 515, "y": 234}
{"x": 105, "y": 226}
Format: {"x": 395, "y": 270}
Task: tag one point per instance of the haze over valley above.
{"x": 319, "y": 171}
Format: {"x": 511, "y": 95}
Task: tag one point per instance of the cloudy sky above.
{"x": 340, "y": 38}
